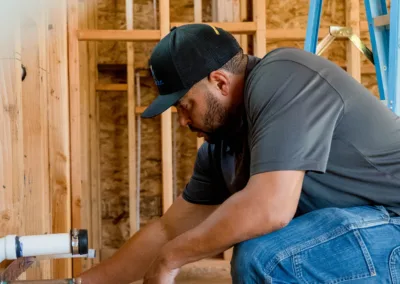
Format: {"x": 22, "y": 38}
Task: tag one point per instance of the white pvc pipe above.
{"x": 34, "y": 245}
{"x": 7, "y": 248}
{"x": 45, "y": 244}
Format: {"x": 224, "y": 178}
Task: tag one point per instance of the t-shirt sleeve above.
{"x": 205, "y": 185}
{"x": 292, "y": 114}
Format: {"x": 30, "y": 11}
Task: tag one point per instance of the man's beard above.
{"x": 218, "y": 121}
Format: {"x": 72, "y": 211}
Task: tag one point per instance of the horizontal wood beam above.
{"x": 232, "y": 27}
{"x": 119, "y": 35}
{"x": 124, "y": 87}
{"x": 112, "y": 87}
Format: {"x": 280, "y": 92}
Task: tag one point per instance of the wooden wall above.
{"x": 35, "y": 165}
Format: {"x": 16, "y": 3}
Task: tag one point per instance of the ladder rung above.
{"x": 383, "y": 20}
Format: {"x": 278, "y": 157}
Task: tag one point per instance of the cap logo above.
{"x": 157, "y": 82}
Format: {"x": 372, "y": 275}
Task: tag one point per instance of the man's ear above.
{"x": 220, "y": 80}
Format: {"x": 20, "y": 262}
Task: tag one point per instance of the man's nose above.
{"x": 183, "y": 119}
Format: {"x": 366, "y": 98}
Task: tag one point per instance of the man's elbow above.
{"x": 279, "y": 222}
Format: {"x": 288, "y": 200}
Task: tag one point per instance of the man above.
{"x": 300, "y": 170}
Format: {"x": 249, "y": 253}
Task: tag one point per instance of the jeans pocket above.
{"x": 342, "y": 258}
{"x": 394, "y": 265}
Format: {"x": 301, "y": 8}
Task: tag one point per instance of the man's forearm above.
{"x": 132, "y": 259}
{"x": 240, "y": 218}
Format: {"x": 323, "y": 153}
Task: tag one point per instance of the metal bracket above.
{"x": 75, "y": 241}
{"x": 344, "y": 32}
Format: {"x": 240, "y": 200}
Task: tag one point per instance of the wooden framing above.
{"x": 353, "y": 54}
{"x": 85, "y": 203}
{"x": 59, "y": 134}
{"x": 11, "y": 126}
{"x": 35, "y": 128}
{"x": 233, "y": 27}
{"x": 198, "y": 18}
{"x": 94, "y": 140}
{"x": 133, "y": 222}
{"x": 119, "y": 35}
{"x": 166, "y": 124}
{"x": 75, "y": 121}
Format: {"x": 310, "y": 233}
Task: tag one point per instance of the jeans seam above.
{"x": 392, "y": 265}
{"x": 366, "y": 254}
{"x": 296, "y": 266}
{"x": 395, "y": 221}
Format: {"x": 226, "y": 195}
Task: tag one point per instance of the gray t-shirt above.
{"x": 302, "y": 112}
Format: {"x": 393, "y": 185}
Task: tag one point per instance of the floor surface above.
{"x": 205, "y": 271}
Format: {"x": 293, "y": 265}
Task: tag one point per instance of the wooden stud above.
{"x": 353, "y": 54}
{"x": 94, "y": 140}
{"x": 11, "y": 121}
{"x": 166, "y": 123}
{"x": 133, "y": 222}
{"x": 198, "y": 18}
{"x": 198, "y": 11}
{"x": 75, "y": 121}
{"x": 119, "y": 35}
{"x": 59, "y": 135}
{"x": 35, "y": 128}
{"x": 86, "y": 210}
{"x": 259, "y": 15}
{"x": 46, "y": 271}
{"x": 243, "y": 17}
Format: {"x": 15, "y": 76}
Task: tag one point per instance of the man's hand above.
{"x": 160, "y": 273}
{"x": 267, "y": 203}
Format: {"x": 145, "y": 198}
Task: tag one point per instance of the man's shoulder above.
{"x": 290, "y": 54}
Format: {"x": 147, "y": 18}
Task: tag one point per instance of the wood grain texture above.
{"x": 166, "y": 123}
{"x": 75, "y": 122}
{"x": 133, "y": 208}
{"x": 11, "y": 123}
{"x": 58, "y": 123}
{"x": 35, "y": 128}
{"x": 95, "y": 198}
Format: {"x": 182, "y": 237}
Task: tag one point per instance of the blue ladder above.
{"x": 385, "y": 43}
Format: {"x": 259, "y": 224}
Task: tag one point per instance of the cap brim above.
{"x": 162, "y": 103}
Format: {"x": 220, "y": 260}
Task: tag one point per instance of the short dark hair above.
{"x": 237, "y": 64}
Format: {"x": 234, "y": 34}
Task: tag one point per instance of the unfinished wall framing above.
{"x": 74, "y": 143}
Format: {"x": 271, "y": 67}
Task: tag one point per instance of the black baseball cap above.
{"x": 186, "y": 55}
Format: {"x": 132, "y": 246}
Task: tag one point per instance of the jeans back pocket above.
{"x": 341, "y": 258}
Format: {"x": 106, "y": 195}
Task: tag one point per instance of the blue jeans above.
{"x": 332, "y": 245}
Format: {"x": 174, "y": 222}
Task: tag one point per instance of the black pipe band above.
{"x": 18, "y": 247}
{"x": 83, "y": 242}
